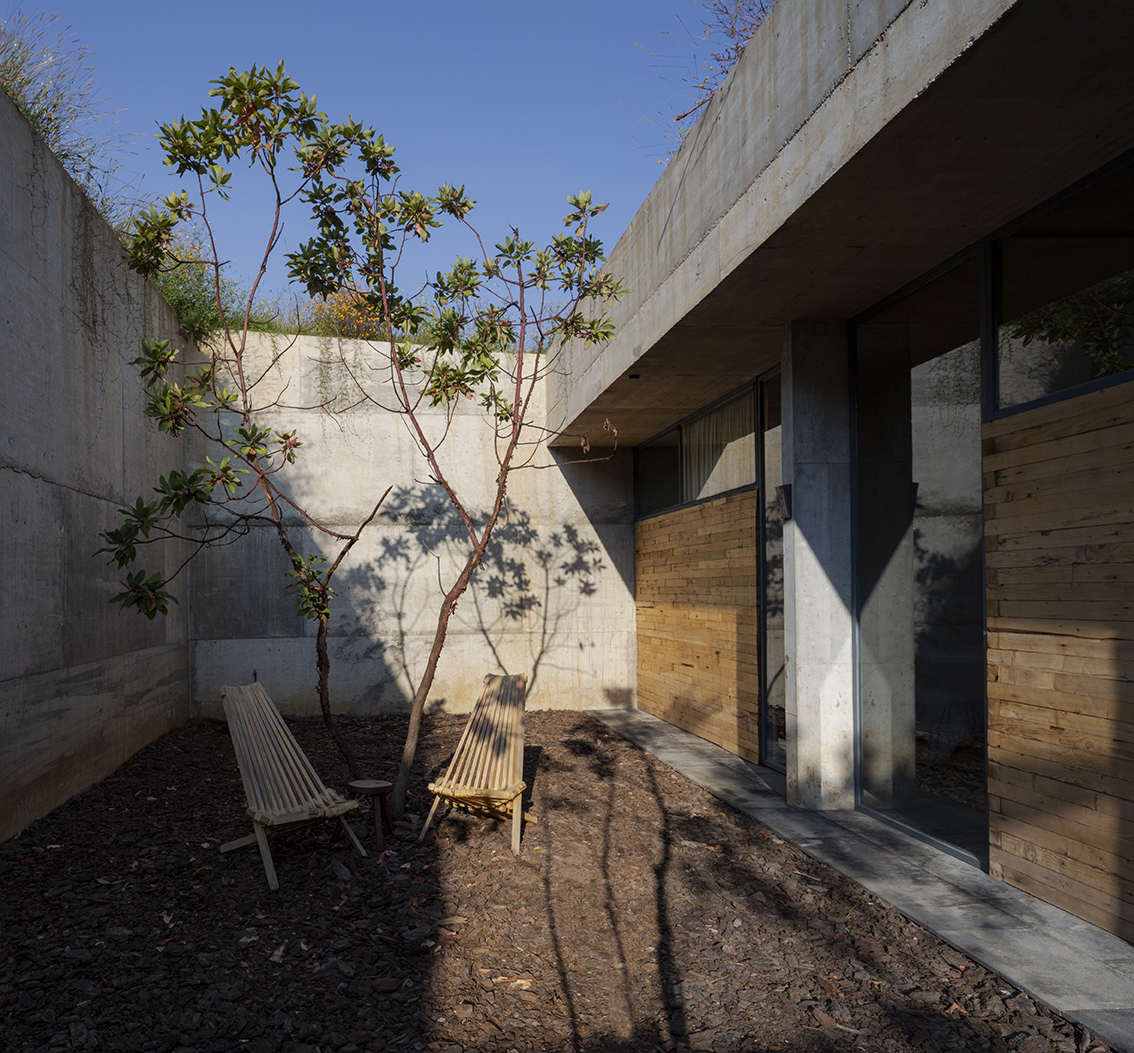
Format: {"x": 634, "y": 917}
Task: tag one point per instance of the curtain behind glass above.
{"x": 719, "y": 450}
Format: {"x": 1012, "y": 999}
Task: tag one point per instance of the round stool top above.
{"x": 370, "y": 786}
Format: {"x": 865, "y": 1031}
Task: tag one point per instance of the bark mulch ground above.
{"x": 642, "y": 915}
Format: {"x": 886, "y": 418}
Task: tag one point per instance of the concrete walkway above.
{"x": 1080, "y": 971}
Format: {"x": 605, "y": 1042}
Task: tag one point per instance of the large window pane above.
{"x": 921, "y": 610}
{"x": 1068, "y": 295}
{"x": 773, "y": 709}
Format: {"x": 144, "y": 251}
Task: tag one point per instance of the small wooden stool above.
{"x": 376, "y": 790}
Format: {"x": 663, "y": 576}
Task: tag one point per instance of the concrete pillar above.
{"x": 817, "y": 567}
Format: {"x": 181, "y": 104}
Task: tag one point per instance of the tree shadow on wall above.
{"x": 533, "y": 582}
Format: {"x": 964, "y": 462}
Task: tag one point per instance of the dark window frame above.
{"x": 766, "y": 757}
{"x": 989, "y": 249}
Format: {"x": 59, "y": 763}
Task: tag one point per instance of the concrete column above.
{"x": 817, "y": 567}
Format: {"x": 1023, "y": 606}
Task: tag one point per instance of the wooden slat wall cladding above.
{"x": 1059, "y": 508}
{"x": 697, "y": 596}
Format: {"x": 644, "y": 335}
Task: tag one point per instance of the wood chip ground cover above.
{"x": 642, "y": 915}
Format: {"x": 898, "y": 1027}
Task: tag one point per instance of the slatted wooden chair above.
{"x": 284, "y": 793}
{"x": 486, "y": 775}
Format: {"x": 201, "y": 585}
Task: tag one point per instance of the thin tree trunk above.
{"x": 322, "y": 660}
{"x": 323, "y": 663}
{"x": 401, "y": 782}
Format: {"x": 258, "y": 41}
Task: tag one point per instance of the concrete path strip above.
{"x": 1077, "y": 969}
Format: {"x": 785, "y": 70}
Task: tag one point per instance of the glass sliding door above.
{"x": 921, "y": 655}
{"x": 773, "y": 731}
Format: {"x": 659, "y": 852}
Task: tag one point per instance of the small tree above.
{"x": 211, "y": 390}
{"x": 488, "y": 328}
{"x": 190, "y": 285}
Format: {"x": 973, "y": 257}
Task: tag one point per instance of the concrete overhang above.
{"x": 910, "y": 131}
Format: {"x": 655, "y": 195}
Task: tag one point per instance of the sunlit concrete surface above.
{"x": 553, "y": 598}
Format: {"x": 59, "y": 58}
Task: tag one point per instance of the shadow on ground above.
{"x": 642, "y": 915}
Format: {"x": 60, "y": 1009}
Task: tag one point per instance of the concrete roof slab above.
{"x": 958, "y": 118}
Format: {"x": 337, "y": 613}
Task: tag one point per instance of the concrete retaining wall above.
{"x": 83, "y": 686}
{"x": 554, "y": 598}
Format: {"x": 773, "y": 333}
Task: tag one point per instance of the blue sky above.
{"x": 523, "y": 102}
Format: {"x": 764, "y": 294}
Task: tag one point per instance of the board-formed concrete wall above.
{"x": 554, "y": 598}
{"x": 83, "y": 685}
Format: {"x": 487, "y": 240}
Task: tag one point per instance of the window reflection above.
{"x": 719, "y": 450}
{"x": 711, "y": 454}
{"x": 921, "y": 609}
{"x": 1068, "y": 295}
{"x": 773, "y": 736}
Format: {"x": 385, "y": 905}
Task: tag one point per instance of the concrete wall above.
{"x": 554, "y": 598}
{"x": 819, "y": 674}
{"x": 853, "y": 147}
{"x": 84, "y": 686}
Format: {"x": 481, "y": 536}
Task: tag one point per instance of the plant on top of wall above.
{"x": 339, "y": 315}
{"x": 202, "y": 298}
{"x": 486, "y": 329}
{"x": 726, "y": 28}
{"x": 47, "y": 74}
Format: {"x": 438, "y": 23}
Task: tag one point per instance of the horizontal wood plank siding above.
{"x": 698, "y": 630}
{"x": 1059, "y": 526}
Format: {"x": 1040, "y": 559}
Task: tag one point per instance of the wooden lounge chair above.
{"x": 486, "y": 775}
{"x": 284, "y": 793}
